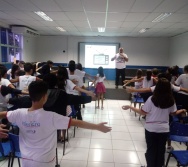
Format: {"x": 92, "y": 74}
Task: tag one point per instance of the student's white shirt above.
{"x": 157, "y": 119}
{"x": 69, "y": 88}
{"x": 25, "y": 80}
{"x": 120, "y": 61}
{"x": 100, "y": 79}
{"x": 9, "y": 71}
{"x": 3, "y": 102}
{"x": 174, "y": 88}
{"x": 79, "y": 73}
{"x": 38, "y": 135}
{"x": 182, "y": 80}
{"x": 5, "y": 82}
{"x": 146, "y": 83}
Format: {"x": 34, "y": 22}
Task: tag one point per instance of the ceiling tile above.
{"x": 117, "y": 16}
{"x": 82, "y": 29}
{"x": 146, "y": 24}
{"x": 33, "y": 23}
{"x": 145, "y": 5}
{"x": 120, "y": 5}
{"x": 136, "y": 16}
{"x": 49, "y": 23}
{"x": 171, "y": 5}
{"x": 57, "y": 15}
{"x": 23, "y": 5}
{"x": 113, "y": 24}
{"x": 6, "y": 6}
{"x": 151, "y": 17}
{"x": 183, "y": 10}
{"x": 180, "y": 25}
{"x": 162, "y": 25}
{"x": 20, "y": 15}
{"x": 95, "y": 5}
{"x": 175, "y": 18}
{"x": 70, "y": 5}
{"x": 96, "y": 16}
{"x": 130, "y": 24}
{"x": 99, "y": 23}
{"x": 64, "y": 23}
{"x": 47, "y": 5}
{"x": 5, "y": 16}
{"x": 76, "y": 16}
{"x": 80, "y": 23}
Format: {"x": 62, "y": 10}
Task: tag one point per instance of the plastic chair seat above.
{"x": 137, "y": 100}
{"x": 6, "y": 148}
{"x": 178, "y": 138}
{"x": 181, "y": 156}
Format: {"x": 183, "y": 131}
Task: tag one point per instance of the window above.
{"x": 10, "y": 45}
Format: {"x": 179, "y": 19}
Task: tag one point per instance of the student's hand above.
{"x": 25, "y": 92}
{"x": 126, "y": 107}
{"x": 103, "y": 128}
{"x": 129, "y": 89}
{"x": 90, "y": 93}
{"x": 74, "y": 81}
{"x": 3, "y": 132}
{"x": 94, "y": 98}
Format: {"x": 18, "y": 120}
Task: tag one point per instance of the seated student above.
{"x": 3, "y": 78}
{"x": 157, "y": 109}
{"x": 38, "y": 128}
{"x": 26, "y": 79}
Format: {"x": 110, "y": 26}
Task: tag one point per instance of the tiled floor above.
{"x": 124, "y": 146}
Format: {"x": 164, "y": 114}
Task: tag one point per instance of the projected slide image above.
{"x": 101, "y": 59}
{"x": 96, "y": 55}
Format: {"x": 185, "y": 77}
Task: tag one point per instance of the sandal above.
{"x": 97, "y": 107}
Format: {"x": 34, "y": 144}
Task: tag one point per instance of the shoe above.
{"x": 102, "y": 108}
{"x": 97, "y": 107}
{"x": 83, "y": 105}
{"x": 116, "y": 87}
{"x": 169, "y": 149}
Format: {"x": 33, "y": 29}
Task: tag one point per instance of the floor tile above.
{"x": 101, "y": 143}
{"x": 123, "y": 145}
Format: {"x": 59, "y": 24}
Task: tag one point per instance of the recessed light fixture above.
{"x": 161, "y": 17}
{"x": 60, "y": 29}
{"x": 101, "y": 29}
{"x": 143, "y": 30}
{"x": 43, "y": 15}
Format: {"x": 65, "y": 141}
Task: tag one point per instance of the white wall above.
{"x": 29, "y": 49}
{"x": 179, "y": 50}
{"x": 141, "y": 51}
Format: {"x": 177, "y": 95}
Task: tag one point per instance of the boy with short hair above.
{"x": 26, "y": 79}
{"x": 38, "y": 128}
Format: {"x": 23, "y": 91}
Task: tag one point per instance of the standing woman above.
{"x": 100, "y": 88}
{"x": 157, "y": 109}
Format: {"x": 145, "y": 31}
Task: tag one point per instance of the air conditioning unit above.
{"x": 25, "y": 31}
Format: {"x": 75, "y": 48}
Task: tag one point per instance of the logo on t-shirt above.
{"x": 31, "y": 124}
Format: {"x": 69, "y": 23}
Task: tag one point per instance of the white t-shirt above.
{"x": 183, "y": 82}
{"x": 69, "y": 88}
{"x": 38, "y": 135}
{"x": 146, "y": 83}
{"x": 174, "y": 88}
{"x": 100, "y": 79}
{"x": 9, "y": 71}
{"x": 79, "y": 73}
{"x": 157, "y": 119}
{"x": 5, "y": 82}
{"x": 120, "y": 61}
{"x": 25, "y": 80}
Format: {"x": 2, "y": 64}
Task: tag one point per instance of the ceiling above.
{"x": 82, "y": 17}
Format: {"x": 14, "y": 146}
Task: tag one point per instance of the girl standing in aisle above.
{"x": 100, "y": 88}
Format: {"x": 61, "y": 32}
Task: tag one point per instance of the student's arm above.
{"x": 86, "y": 125}
{"x": 53, "y": 71}
{"x": 125, "y": 57}
{"x": 89, "y": 93}
{"x": 38, "y": 79}
{"x": 6, "y": 90}
{"x": 141, "y": 90}
{"x": 3, "y": 114}
{"x": 137, "y": 110}
{"x": 90, "y": 77}
{"x": 134, "y": 80}
{"x": 3, "y": 131}
{"x": 181, "y": 111}
{"x": 184, "y": 89}
{"x": 14, "y": 80}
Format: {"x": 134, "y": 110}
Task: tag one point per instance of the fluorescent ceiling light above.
{"x": 143, "y": 30}
{"x": 161, "y": 17}
{"x": 60, "y": 29}
{"x": 44, "y": 16}
{"x": 101, "y": 29}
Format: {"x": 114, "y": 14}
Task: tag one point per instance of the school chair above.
{"x": 137, "y": 99}
{"x": 179, "y": 133}
{"x": 15, "y": 148}
{"x": 5, "y": 150}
